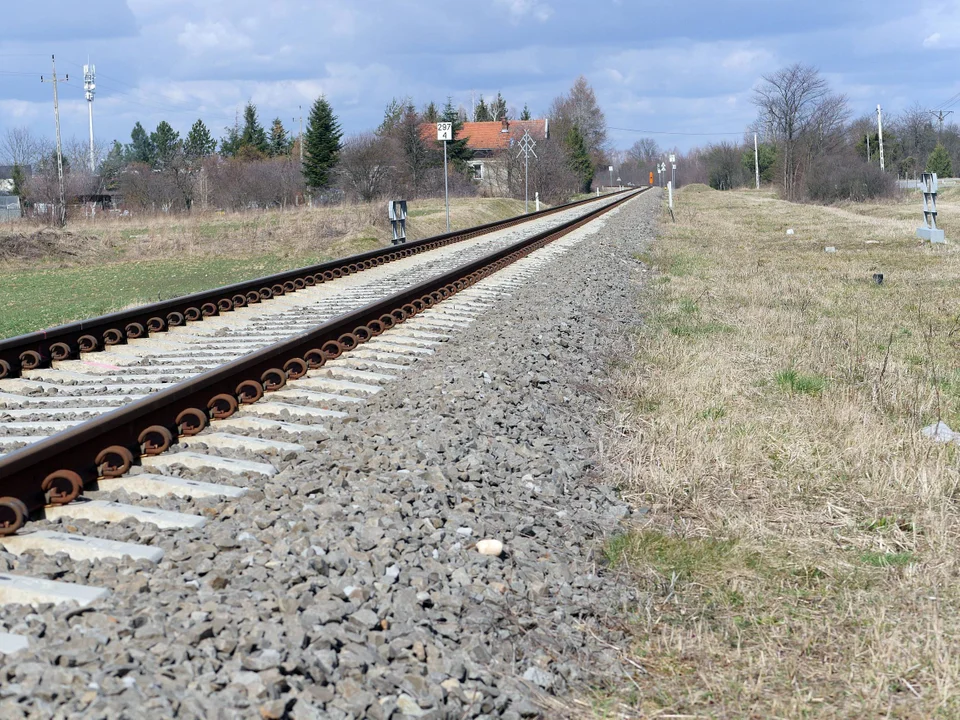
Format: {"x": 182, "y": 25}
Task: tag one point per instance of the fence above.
{"x": 9, "y": 208}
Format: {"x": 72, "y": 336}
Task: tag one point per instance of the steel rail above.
{"x": 55, "y": 470}
{"x": 38, "y": 349}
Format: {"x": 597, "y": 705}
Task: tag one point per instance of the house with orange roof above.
{"x": 488, "y": 141}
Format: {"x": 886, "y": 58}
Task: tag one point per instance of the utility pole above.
{"x": 940, "y": 115}
{"x": 867, "y": 140}
{"x": 90, "y": 87}
{"x": 756, "y": 159}
{"x": 880, "y": 133}
{"x": 62, "y": 210}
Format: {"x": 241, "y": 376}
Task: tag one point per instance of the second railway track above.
{"x": 69, "y": 427}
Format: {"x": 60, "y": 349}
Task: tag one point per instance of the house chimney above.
{"x": 504, "y": 125}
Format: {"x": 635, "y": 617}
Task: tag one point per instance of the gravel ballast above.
{"x": 350, "y": 584}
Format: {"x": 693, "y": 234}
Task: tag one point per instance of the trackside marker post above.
{"x": 445, "y": 134}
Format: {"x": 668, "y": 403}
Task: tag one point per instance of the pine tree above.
{"x": 279, "y": 139}
{"x": 253, "y": 135}
{"x": 166, "y": 144}
{"x": 939, "y": 162}
{"x": 392, "y": 115}
{"x": 481, "y": 113}
{"x": 525, "y": 115}
{"x": 498, "y": 108}
{"x": 112, "y": 166}
{"x": 578, "y": 158}
{"x": 199, "y": 143}
{"x": 321, "y": 145}
{"x": 230, "y": 144}
{"x": 140, "y": 149}
{"x": 431, "y": 114}
{"x": 457, "y": 150}
{"x": 18, "y": 177}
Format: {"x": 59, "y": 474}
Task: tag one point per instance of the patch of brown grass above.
{"x": 800, "y": 556}
{"x": 295, "y": 232}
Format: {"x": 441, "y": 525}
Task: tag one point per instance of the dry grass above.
{"x": 329, "y": 231}
{"x": 97, "y": 266}
{"x": 800, "y": 556}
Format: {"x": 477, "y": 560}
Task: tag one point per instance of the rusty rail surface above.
{"x": 38, "y": 349}
{"x": 55, "y": 470}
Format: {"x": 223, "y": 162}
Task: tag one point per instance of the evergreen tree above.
{"x": 481, "y": 113}
{"x": 321, "y": 145}
{"x": 18, "y": 177}
{"x": 199, "y": 143}
{"x": 140, "y": 149}
{"x": 766, "y": 157}
{"x": 431, "y": 114}
{"x": 112, "y": 166}
{"x": 939, "y": 162}
{"x": 498, "y": 108}
{"x": 457, "y": 151}
{"x": 578, "y": 158}
{"x": 166, "y": 144}
{"x": 525, "y": 115}
{"x": 280, "y": 141}
{"x": 392, "y": 115}
{"x": 253, "y": 135}
{"x": 230, "y": 143}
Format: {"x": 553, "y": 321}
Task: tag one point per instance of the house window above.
{"x": 477, "y": 171}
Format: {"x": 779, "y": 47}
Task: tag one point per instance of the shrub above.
{"x": 939, "y": 162}
{"x": 847, "y": 177}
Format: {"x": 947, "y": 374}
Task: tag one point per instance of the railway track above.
{"x": 322, "y": 559}
{"x": 263, "y": 377}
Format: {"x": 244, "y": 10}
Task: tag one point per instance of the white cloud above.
{"x": 932, "y": 40}
{"x": 519, "y": 9}
{"x": 747, "y": 59}
{"x": 212, "y": 36}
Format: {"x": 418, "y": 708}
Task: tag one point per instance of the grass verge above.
{"x": 103, "y": 265}
{"x": 800, "y": 554}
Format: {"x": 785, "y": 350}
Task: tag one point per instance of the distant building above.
{"x": 488, "y": 140}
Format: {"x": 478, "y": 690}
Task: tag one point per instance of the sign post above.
{"x": 673, "y": 171}
{"x": 445, "y": 134}
{"x": 611, "y": 175}
{"x": 527, "y": 144}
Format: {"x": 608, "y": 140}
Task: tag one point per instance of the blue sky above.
{"x": 680, "y": 67}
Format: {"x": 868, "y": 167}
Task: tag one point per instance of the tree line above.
{"x": 812, "y": 148}
{"x": 256, "y": 165}
{"x": 162, "y": 171}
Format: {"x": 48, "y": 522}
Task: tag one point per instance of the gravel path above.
{"x": 349, "y": 585}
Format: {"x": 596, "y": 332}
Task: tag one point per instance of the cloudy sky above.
{"x": 657, "y": 65}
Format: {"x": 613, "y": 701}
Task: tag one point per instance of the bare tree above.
{"x": 415, "y": 157}
{"x": 365, "y": 165}
{"x": 549, "y": 172}
{"x": 644, "y": 150}
{"x": 19, "y": 146}
{"x": 580, "y": 109}
{"x": 798, "y": 111}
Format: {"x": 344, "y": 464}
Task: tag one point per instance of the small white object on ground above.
{"x": 490, "y": 547}
{"x": 940, "y": 432}
{"x": 830, "y": 249}
{"x": 790, "y": 231}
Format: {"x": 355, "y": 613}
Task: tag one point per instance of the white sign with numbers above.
{"x": 444, "y": 131}
{"x": 673, "y": 158}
